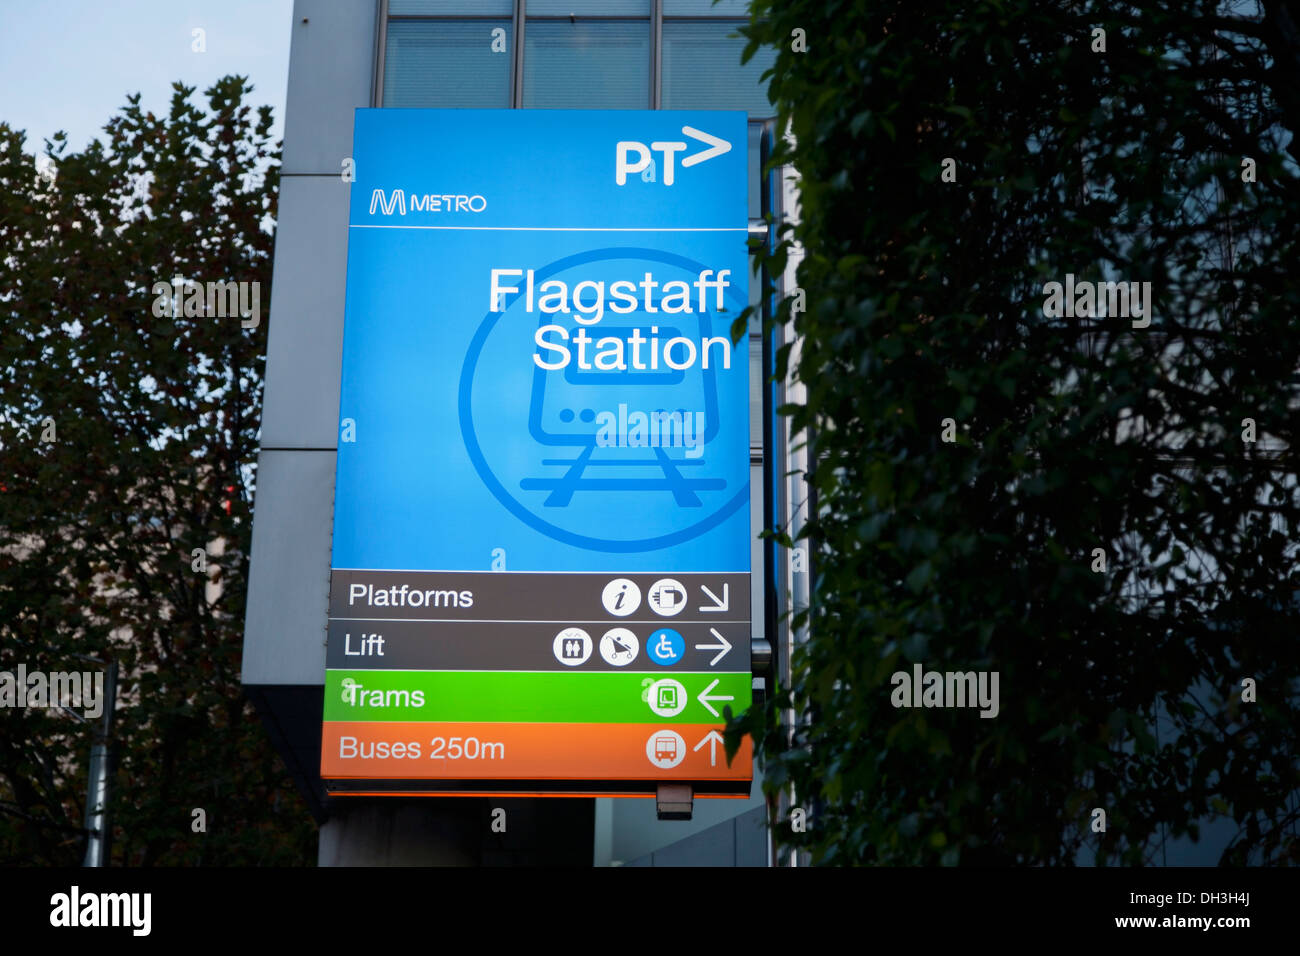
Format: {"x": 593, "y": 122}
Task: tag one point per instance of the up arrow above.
{"x": 712, "y": 738}
{"x": 716, "y": 146}
{"x": 722, "y": 647}
{"x": 705, "y": 698}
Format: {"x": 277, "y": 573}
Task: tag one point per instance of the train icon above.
{"x": 622, "y": 427}
{"x": 576, "y": 408}
{"x": 570, "y": 407}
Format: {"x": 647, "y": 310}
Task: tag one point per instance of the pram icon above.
{"x": 566, "y": 403}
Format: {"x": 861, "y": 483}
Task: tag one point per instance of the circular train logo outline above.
{"x": 498, "y": 489}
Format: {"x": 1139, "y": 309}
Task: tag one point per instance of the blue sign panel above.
{"x": 537, "y": 358}
{"x": 542, "y": 495}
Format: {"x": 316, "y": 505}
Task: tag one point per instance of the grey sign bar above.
{"x": 634, "y": 600}
{"x": 528, "y": 646}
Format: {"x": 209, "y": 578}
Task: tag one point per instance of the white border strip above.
{"x": 616, "y": 573}
{"x": 558, "y": 228}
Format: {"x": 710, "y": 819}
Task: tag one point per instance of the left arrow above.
{"x": 705, "y": 698}
{"x": 716, "y": 146}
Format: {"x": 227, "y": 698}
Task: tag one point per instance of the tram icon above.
{"x": 566, "y": 405}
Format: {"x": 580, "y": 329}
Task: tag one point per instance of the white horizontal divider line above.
{"x": 558, "y": 669}
{"x": 505, "y": 573}
{"x": 360, "y": 225}
{"x": 516, "y": 620}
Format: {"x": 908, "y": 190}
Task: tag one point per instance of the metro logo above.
{"x": 429, "y": 202}
{"x": 397, "y": 200}
{"x": 716, "y": 147}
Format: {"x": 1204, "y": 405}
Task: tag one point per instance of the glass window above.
{"x": 705, "y": 8}
{"x": 702, "y": 70}
{"x": 590, "y": 8}
{"x": 482, "y": 8}
{"x": 430, "y": 63}
{"x": 590, "y": 64}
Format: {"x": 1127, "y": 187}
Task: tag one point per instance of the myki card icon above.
{"x": 667, "y": 597}
{"x": 665, "y": 646}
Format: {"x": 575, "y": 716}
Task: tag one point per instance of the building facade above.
{"x": 495, "y": 54}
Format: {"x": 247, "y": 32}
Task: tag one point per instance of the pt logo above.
{"x": 623, "y": 164}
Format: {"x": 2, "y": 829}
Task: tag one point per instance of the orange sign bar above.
{"x": 419, "y": 750}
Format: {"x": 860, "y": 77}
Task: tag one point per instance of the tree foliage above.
{"x": 1120, "y": 689}
{"x": 155, "y": 424}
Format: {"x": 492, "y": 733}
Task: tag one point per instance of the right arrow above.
{"x": 719, "y": 603}
{"x": 722, "y": 647}
{"x": 716, "y": 146}
{"x": 712, "y": 738}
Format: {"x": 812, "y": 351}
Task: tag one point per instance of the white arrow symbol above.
{"x": 719, "y": 603}
{"x": 716, "y": 146}
{"x": 712, "y": 738}
{"x": 722, "y": 647}
{"x": 704, "y": 698}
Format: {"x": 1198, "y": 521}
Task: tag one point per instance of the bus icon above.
{"x": 665, "y": 749}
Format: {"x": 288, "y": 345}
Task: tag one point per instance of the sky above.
{"x": 69, "y": 64}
